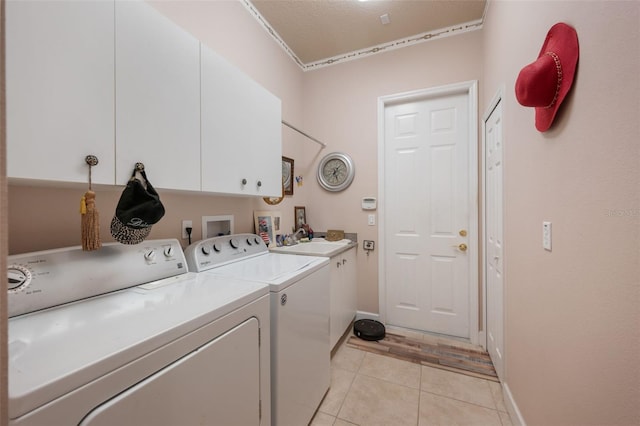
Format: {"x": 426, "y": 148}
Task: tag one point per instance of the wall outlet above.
{"x": 546, "y": 235}
{"x": 368, "y": 245}
{"x": 186, "y": 224}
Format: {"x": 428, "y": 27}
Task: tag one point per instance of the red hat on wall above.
{"x": 544, "y": 84}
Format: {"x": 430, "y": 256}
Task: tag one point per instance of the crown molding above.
{"x": 362, "y": 53}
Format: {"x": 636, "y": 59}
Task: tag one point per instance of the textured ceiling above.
{"x": 316, "y": 30}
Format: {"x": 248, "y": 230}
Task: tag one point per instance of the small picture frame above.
{"x": 287, "y": 175}
{"x": 267, "y": 223}
{"x": 300, "y": 216}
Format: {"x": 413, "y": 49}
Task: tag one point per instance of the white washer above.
{"x": 299, "y": 287}
{"x": 90, "y": 345}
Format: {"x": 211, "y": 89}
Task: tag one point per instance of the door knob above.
{"x": 461, "y": 247}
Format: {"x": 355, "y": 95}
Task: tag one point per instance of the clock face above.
{"x": 336, "y": 172}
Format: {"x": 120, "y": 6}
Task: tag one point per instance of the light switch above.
{"x": 372, "y": 219}
{"x": 546, "y": 235}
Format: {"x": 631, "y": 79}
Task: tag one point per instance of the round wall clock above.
{"x": 336, "y": 171}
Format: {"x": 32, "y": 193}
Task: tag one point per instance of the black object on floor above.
{"x": 368, "y": 329}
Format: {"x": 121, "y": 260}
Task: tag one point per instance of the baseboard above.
{"x": 367, "y": 315}
{"x": 512, "y": 407}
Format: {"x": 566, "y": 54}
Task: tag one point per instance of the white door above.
{"x": 494, "y": 242}
{"x": 428, "y": 251}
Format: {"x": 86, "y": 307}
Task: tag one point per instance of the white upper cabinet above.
{"x": 60, "y": 105}
{"x": 121, "y": 81}
{"x": 157, "y": 98}
{"x": 241, "y": 131}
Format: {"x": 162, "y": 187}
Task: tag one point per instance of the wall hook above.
{"x": 91, "y": 160}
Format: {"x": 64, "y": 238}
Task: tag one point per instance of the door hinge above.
{"x": 259, "y": 337}
{"x": 260, "y": 409}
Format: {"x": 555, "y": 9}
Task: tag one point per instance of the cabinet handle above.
{"x": 259, "y": 183}
{"x": 338, "y": 264}
{"x": 244, "y": 181}
{"x": 344, "y": 261}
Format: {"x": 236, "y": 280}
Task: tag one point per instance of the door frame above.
{"x": 469, "y": 88}
{"x": 497, "y": 98}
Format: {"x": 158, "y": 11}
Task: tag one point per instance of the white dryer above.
{"x": 126, "y": 336}
{"x": 299, "y": 288}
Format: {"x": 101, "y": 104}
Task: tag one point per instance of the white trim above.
{"x": 497, "y": 98}
{"x": 372, "y": 50}
{"x": 395, "y": 44}
{"x": 367, "y": 315}
{"x": 482, "y": 334}
{"x": 471, "y": 89}
{"x": 512, "y": 407}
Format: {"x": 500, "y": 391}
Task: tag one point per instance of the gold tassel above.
{"x": 90, "y": 222}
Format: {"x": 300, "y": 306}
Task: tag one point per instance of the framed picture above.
{"x": 267, "y": 223}
{"x": 300, "y": 214}
{"x": 287, "y": 175}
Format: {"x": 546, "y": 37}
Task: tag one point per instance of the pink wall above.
{"x": 572, "y": 319}
{"x": 341, "y": 106}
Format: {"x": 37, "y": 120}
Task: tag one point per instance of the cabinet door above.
{"x": 350, "y": 281}
{"x": 336, "y": 300}
{"x": 343, "y": 293}
{"x": 60, "y": 103}
{"x": 157, "y": 98}
{"x": 241, "y": 131}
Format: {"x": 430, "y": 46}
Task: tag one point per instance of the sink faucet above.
{"x": 295, "y": 234}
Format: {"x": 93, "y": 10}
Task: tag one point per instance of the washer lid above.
{"x": 55, "y": 351}
{"x": 278, "y": 270}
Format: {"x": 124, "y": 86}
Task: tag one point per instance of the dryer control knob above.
{"x": 205, "y": 250}
{"x": 18, "y": 277}
{"x": 234, "y": 243}
{"x": 217, "y": 247}
{"x": 150, "y": 255}
{"x": 169, "y": 252}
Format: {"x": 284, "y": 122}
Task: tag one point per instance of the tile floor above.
{"x": 369, "y": 389}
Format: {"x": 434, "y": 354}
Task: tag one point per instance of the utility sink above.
{"x": 315, "y": 247}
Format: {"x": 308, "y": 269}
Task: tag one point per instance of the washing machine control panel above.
{"x": 43, "y": 279}
{"x": 218, "y": 251}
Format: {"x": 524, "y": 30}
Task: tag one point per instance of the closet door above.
{"x": 59, "y": 71}
{"x": 157, "y": 98}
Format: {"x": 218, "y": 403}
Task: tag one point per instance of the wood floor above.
{"x": 468, "y": 361}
